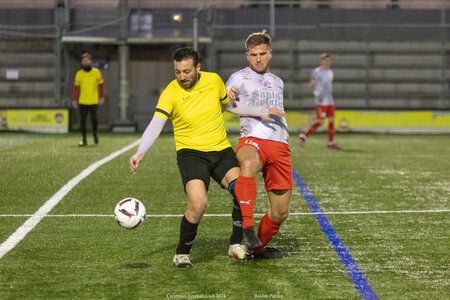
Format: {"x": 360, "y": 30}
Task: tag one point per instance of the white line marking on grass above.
{"x": 260, "y": 215}
{"x": 26, "y": 227}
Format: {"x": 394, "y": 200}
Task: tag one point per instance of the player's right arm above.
{"x": 242, "y": 109}
{"x": 315, "y": 86}
{"x": 153, "y": 130}
{"x": 312, "y": 84}
{"x": 151, "y": 133}
{"x": 76, "y": 91}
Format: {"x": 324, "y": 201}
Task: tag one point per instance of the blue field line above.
{"x": 353, "y": 270}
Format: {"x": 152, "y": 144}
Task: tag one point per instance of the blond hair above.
{"x": 258, "y": 38}
{"x": 324, "y": 55}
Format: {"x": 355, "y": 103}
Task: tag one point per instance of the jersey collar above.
{"x": 257, "y": 72}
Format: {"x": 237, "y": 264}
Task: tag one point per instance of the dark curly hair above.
{"x": 186, "y": 53}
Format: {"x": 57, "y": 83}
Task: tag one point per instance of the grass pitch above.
{"x": 403, "y": 254}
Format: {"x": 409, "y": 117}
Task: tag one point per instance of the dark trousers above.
{"x": 92, "y": 110}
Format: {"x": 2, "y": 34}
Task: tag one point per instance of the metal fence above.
{"x": 127, "y": 24}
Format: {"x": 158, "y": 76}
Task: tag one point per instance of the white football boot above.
{"x": 239, "y": 251}
{"x": 182, "y": 261}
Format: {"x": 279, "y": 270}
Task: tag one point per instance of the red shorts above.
{"x": 324, "y": 111}
{"x": 276, "y": 160}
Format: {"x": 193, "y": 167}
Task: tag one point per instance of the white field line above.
{"x": 35, "y": 218}
{"x": 259, "y": 215}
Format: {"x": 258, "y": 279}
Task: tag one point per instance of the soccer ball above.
{"x": 129, "y": 213}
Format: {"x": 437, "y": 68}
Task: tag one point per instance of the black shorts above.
{"x": 194, "y": 164}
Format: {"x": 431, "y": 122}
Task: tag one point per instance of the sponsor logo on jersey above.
{"x": 265, "y": 83}
{"x": 267, "y": 99}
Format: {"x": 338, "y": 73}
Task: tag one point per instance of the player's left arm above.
{"x": 242, "y": 109}
{"x": 101, "y": 88}
{"x": 149, "y": 136}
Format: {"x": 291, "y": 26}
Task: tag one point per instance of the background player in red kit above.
{"x": 263, "y": 146}
{"x": 321, "y": 85}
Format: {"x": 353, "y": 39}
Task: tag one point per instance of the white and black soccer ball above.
{"x": 129, "y": 213}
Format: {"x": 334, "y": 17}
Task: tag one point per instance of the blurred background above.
{"x": 390, "y": 57}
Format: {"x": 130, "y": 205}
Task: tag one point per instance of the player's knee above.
{"x": 279, "y": 216}
{"x": 199, "y": 207}
{"x": 248, "y": 167}
{"x": 196, "y": 209}
{"x": 194, "y": 216}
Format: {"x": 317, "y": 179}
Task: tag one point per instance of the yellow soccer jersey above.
{"x": 196, "y": 113}
{"x": 88, "y": 83}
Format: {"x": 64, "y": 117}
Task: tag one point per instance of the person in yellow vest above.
{"x": 87, "y": 94}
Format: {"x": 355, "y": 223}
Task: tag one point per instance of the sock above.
{"x": 331, "y": 132}
{"x": 188, "y": 231}
{"x": 266, "y": 231}
{"x": 313, "y": 128}
{"x": 236, "y": 235}
{"x": 245, "y": 190}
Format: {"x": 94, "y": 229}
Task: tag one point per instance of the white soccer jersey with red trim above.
{"x": 324, "y": 86}
{"x": 260, "y": 90}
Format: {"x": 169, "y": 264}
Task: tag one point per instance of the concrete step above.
{"x": 403, "y": 60}
{"x": 30, "y": 73}
{"x": 26, "y": 45}
{"x": 23, "y": 59}
{"x": 377, "y": 74}
{"x": 372, "y": 46}
{"x": 346, "y": 47}
{"x": 359, "y": 102}
{"x": 355, "y": 89}
{"x": 8, "y": 100}
{"x": 26, "y": 87}
{"x": 403, "y": 103}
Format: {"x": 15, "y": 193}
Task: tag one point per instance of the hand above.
{"x": 273, "y": 111}
{"x": 101, "y": 101}
{"x": 232, "y": 93}
{"x": 312, "y": 84}
{"x": 320, "y": 98}
{"x": 134, "y": 162}
{"x": 75, "y": 104}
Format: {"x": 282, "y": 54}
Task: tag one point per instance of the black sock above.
{"x": 236, "y": 215}
{"x": 188, "y": 231}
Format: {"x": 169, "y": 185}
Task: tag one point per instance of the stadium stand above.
{"x": 386, "y": 54}
{"x": 403, "y": 75}
{"x": 33, "y": 60}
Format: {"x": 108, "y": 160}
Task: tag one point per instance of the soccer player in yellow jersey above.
{"x": 194, "y": 102}
{"x": 88, "y": 94}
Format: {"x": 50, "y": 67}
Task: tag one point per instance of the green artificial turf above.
{"x": 403, "y": 255}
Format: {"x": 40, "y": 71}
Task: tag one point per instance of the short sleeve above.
{"x": 222, "y": 91}
{"x": 99, "y": 77}
{"x": 164, "y": 107}
{"x": 77, "y": 79}
{"x": 314, "y": 74}
{"x": 281, "y": 83}
{"x": 232, "y": 81}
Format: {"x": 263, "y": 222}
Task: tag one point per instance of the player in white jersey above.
{"x": 321, "y": 85}
{"x": 263, "y": 146}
